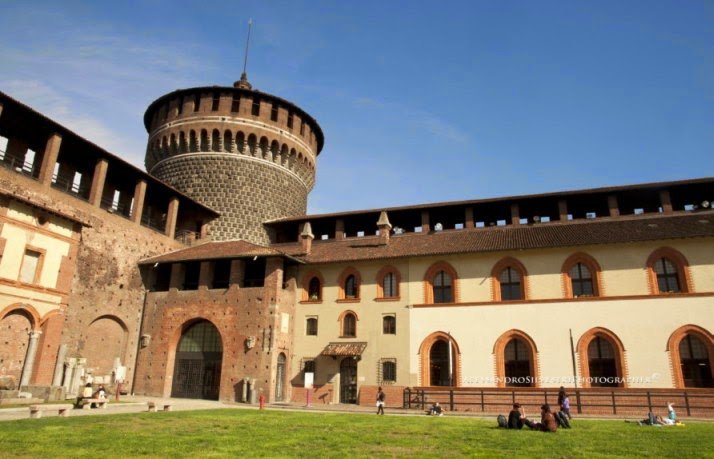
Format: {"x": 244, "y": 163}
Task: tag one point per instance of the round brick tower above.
{"x": 249, "y": 155}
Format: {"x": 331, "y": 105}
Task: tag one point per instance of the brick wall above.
{"x": 237, "y": 313}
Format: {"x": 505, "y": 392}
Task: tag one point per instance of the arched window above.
{"x": 312, "y": 286}
{"x": 668, "y": 271}
{"x": 581, "y": 280}
{"x": 667, "y": 276}
{"x": 314, "y": 290}
{"x": 389, "y": 325}
{"x": 581, "y": 276}
{"x": 695, "y": 362}
{"x": 388, "y": 283}
{"x": 441, "y": 284}
{"x": 438, "y": 366}
{"x": 517, "y": 364}
{"x": 601, "y": 357}
{"x": 510, "y": 280}
{"x": 351, "y": 287}
{"x": 602, "y": 363}
{"x": 442, "y": 288}
{"x": 349, "y": 325}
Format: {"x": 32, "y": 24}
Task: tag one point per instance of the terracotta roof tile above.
{"x": 215, "y": 250}
{"x": 545, "y": 235}
{"x": 344, "y": 349}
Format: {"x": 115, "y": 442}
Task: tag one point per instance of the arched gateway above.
{"x": 197, "y": 372}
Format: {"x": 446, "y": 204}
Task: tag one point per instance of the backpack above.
{"x": 562, "y": 420}
{"x": 502, "y": 422}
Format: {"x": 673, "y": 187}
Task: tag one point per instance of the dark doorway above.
{"x": 280, "y": 379}
{"x": 439, "y": 364}
{"x": 517, "y": 363}
{"x": 348, "y": 380}
{"x": 694, "y": 357}
{"x": 197, "y": 372}
{"x": 602, "y": 363}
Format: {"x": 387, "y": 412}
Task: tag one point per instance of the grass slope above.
{"x": 248, "y": 433}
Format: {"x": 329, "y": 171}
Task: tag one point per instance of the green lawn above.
{"x": 248, "y": 433}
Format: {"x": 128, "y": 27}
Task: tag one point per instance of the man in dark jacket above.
{"x": 516, "y": 417}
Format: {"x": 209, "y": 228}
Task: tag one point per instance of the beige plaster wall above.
{"x": 369, "y": 324}
{"x": 643, "y": 326}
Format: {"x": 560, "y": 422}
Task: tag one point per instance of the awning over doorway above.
{"x": 344, "y": 349}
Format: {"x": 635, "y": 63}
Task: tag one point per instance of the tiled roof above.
{"x": 519, "y": 237}
{"x": 344, "y": 349}
{"x": 215, "y": 250}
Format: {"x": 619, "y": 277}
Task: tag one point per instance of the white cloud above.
{"x": 58, "y": 107}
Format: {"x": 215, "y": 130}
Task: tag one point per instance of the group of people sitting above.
{"x": 89, "y": 393}
{"x": 549, "y": 421}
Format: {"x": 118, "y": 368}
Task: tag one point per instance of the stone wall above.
{"x": 246, "y": 191}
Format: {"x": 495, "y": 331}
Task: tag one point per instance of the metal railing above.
{"x": 118, "y": 208}
{"x": 18, "y": 165}
{"x": 617, "y": 401}
{"x": 78, "y": 190}
{"x": 156, "y": 224}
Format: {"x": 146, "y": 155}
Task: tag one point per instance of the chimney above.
{"x": 384, "y": 227}
{"x": 306, "y": 237}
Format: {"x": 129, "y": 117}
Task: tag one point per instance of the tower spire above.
{"x": 243, "y": 82}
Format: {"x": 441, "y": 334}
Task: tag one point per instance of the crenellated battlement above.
{"x": 249, "y": 155}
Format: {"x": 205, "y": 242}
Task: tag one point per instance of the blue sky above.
{"x": 419, "y": 101}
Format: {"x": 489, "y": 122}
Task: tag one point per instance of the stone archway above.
{"x": 199, "y": 356}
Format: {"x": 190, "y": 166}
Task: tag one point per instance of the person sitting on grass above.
{"x": 547, "y": 420}
{"x": 436, "y": 410}
{"x": 516, "y": 417}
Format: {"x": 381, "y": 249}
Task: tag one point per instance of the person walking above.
{"x": 381, "y": 397}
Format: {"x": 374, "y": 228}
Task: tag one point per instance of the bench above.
{"x": 62, "y": 410}
{"x": 87, "y": 403}
{"x": 153, "y": 405}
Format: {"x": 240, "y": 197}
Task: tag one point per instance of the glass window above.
{"x": 216, "y": 102}
{"x": 196, "y": 103}
{"x": 389, "y": 371}
{"x": 389, "y": 285}
{"x": 581, "y": 280}
{"x": 311, "y": 326}
{"x": 255, "y": 108}
{"x": 235, "y": 103}
{"x": 290, "y": 120}
{"x": 389, "y": 325}
{"x": 667, "y": 276}
{"x": 442, "y": 288}
{"x": 510, "y": 281}
{"x": 351, "y": 287}
{"x": 349, "y": 326}
{"x": 274, "y": 112}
